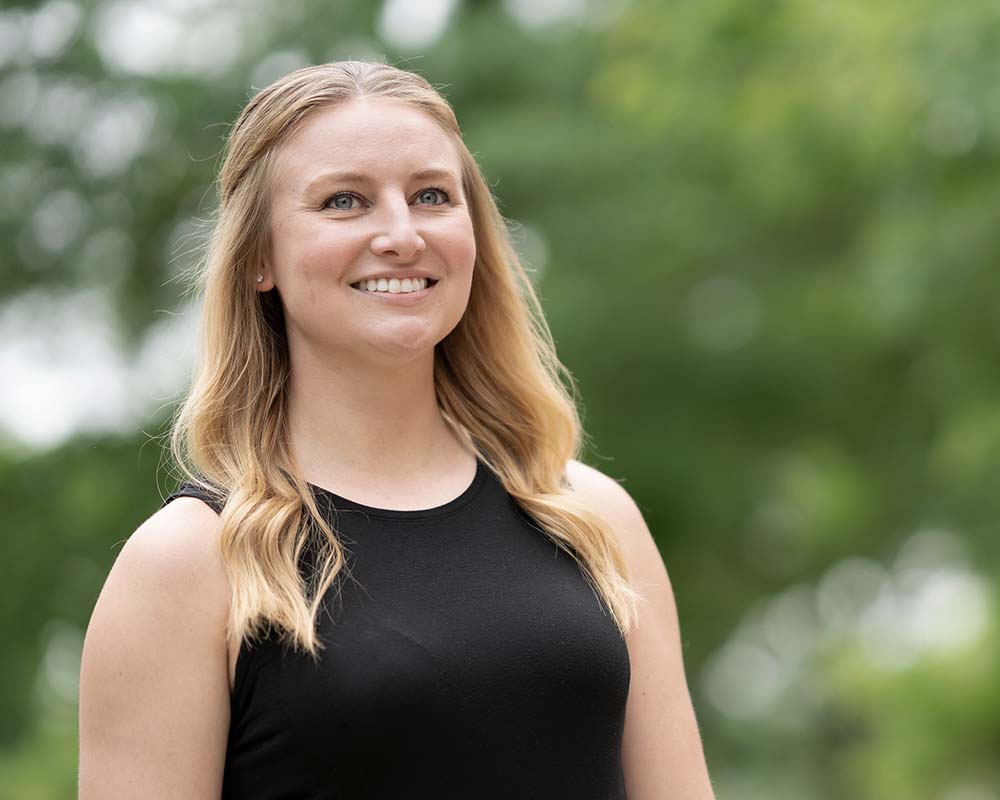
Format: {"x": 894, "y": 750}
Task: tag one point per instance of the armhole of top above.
{"x": 189, "y": 490}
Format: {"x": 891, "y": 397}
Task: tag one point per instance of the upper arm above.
{"x": 662, "y": 752}
{"x": 154, "y": 690}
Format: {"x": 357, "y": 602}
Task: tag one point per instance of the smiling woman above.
{"x": 385, "y": 573}
{"x": 368, "y": 212}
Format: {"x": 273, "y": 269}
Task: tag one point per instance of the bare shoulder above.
{"x": 662, "y": 752}
{"x": 174, "y": 555}
{"x": 613, "y": 502}
{"x": 154, "y": 694}
{"x": 184, "y": 533}
{"x": 599, "y": 488}
{"x": 647, "y": 571}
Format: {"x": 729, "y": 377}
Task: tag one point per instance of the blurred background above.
{"x": 765, "y": 233}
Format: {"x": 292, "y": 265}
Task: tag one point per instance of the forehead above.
{"x": 384, "y": 138}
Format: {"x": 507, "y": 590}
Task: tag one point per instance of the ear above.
{"x": 265, "y": 271}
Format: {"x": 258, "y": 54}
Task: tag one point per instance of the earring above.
{"x": 260, "y": 279}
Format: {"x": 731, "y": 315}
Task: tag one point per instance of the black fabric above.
{"x": 472, "y": 661}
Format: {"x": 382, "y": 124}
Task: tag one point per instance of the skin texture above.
{"x": 363, "y": 414}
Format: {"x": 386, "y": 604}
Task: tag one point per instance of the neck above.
{"x": 372, "y": 422}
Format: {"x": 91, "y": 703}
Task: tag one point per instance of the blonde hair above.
{"x": 496, "y": 375}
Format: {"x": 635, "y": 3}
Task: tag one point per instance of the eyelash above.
{"x": 326, "y": 205}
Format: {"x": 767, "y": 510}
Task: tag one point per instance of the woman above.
{"x": 385, "y": 573}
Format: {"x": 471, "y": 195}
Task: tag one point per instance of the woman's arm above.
{"x": 154, "y": 684}
{"x": 662, "y": 753}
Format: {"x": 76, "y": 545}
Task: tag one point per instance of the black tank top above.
{"x": 473, "y": 661}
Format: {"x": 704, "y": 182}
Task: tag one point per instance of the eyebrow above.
{"x": 350, "y": 176}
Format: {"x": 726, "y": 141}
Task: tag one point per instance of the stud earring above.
{"x": 260, "y": 279}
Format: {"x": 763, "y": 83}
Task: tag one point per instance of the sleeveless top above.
{"x": 467, "y": 657}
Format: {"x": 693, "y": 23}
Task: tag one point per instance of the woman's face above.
{"x": 366, "y": 190}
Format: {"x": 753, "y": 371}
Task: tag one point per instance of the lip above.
{"x": 398, "y": 275}
{"x": 400, "y": 298}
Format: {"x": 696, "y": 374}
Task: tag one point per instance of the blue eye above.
{"x": 431, "y": 191}
{"x": 341, "y": 201}
{"x": 341, "y": 196}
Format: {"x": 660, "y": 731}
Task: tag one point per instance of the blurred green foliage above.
{"x": 765, "y": 234}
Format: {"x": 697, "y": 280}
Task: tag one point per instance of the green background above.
{"x": 765, "y": 235}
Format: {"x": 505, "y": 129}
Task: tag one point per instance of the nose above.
{"x": 399, "y": 237}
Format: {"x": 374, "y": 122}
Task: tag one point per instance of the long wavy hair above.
{"x": 497, "y": 379}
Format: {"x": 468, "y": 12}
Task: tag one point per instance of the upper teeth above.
{"x": 394, "y": 285}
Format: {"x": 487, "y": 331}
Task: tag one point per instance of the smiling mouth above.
{"x": 430, "y": 283}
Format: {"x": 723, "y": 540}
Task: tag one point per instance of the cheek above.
{"x": 309, "y": 253}
{"x": 460, "y": 241}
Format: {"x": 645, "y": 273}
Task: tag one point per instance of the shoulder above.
{"x": 170, "y": 570}
{"x": 661, "y": 743}
{"x": 180, "y": 540}
{"x": 608, "y": 498}
{"x": 595, "y": 485}
{"x": 153, "y": 686}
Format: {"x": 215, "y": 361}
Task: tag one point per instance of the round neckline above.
{"x": 341, "y": 503}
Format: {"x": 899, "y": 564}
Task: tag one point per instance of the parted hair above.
{"x": 497, "y": 378}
